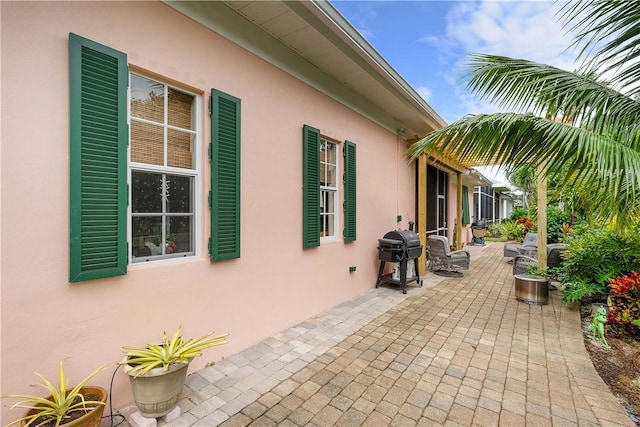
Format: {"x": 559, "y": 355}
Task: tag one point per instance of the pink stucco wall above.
{"x": 275, "y": 283}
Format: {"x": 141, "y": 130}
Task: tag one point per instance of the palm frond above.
{"x": 509, "y": 138}
{"x": 617, "y": 25}
{"x": 524, "y": 85}
{"x": 601, "y": 153}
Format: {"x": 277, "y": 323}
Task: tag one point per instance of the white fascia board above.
{"x": 224, "y": 21}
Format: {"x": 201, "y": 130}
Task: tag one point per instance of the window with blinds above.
{"x": 320, "y": 184}
{"x": 328, "y": 188}
{"x": 163, "y": 173}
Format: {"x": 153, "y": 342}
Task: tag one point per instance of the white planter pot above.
{"x": 156, "y": 392}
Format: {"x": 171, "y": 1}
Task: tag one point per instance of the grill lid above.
{"x": 410, "y": 238}
{"x": 390, "y": 243}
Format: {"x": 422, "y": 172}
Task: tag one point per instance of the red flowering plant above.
{"x": 526, "y": 222}
{"x": 624, "y": 299}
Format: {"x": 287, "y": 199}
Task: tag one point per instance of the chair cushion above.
{"x": 554, "y": 254}
{"x": 511, "y": 249}
{"x": 530, "y": 239}
{"x": 460, "y": 259}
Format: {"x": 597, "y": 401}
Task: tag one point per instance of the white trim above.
{"x": 334, "y": 189}
{"x": 194, "y": 173}
{"x": 410, "y": 110}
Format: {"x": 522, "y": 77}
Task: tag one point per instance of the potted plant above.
{"x": 80, "y": 406}
{"x": 157, "y": 371}
{"x": 532, "y": 286}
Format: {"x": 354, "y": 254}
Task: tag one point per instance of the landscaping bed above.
{"x": 619, "y": 366}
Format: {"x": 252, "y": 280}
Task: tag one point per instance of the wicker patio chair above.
{"x": 554, "y": 254}
{"x": 511, "y": 249}
{"x": 521, "y": 263}
{"x": 442, "y": 259}
{"x": 554, "y": 258}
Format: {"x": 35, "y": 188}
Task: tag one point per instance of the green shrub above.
{"x": 578, "y": 229}
{"x": 518, "y": 213}
{"x": 592, "y": 259}
{"x": 512, "y": 231}
{"x": 495, "y": 230}
{"x": 555, "y": 219}
{"x": 578, "y": 290}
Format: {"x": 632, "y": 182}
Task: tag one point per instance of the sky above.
{"x": 427, "y": 42}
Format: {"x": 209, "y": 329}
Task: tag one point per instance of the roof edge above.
{"x": 370, "y": 52}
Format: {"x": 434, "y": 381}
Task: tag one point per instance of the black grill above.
{"x": 478, "y": 229}
{"x": 390, "y": 250}
{"x": 401, "y": 247}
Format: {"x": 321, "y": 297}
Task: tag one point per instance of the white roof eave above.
{"x": 350, "y": 71}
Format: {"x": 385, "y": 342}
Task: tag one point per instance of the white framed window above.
{"x": 328, "y": 189}
{"x": 163, "y": 169}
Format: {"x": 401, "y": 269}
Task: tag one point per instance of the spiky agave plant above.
{"x": 141, "y": 360}
{"x": 61, "y": 403}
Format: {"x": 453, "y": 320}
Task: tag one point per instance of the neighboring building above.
{"x": 216, "y": 165}
{"x": 441, "y": 200}
{"x": 472, "y": 179}
{"x": 485, "y": 204}
{"x": 507, "y": 201}
{"x": 493, "y": 203}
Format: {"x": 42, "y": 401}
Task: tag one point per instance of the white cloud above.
{"x": 368, "y": 35}
{"x": 430, "y": 39}
{"x": 527, "y": 30}
{"x": 363, "y": 20}
{"x": 424, "y": 92}
{"x": 496, "y": 173}
{"x": 524, "y": 29}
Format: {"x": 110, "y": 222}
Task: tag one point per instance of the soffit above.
{"x": 337, "y": 60}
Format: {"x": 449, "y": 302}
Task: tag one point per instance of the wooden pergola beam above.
{"x": 422, "y": 211}
{"x": 458, "y": 241}
{"x": 541, "y": 182}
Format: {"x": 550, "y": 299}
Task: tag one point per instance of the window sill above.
{"x": 151, "y": 262}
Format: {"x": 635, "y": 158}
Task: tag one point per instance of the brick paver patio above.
{"x": 457, "y": 352}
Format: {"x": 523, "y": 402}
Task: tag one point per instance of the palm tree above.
{"x": 577, "y": 199}
{"x": 563, "y": 122}
{"x": 523, "y": 177}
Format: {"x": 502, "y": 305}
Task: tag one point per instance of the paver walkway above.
{"x": 456, "y": 352}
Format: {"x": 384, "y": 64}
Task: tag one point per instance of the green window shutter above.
{"x": 225, "y": 176}
{"x": 310, "y": 187}
{"x": 465, "y": 205}
{"x": 349, "y": 152}
{"x": 98, "y": 78}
